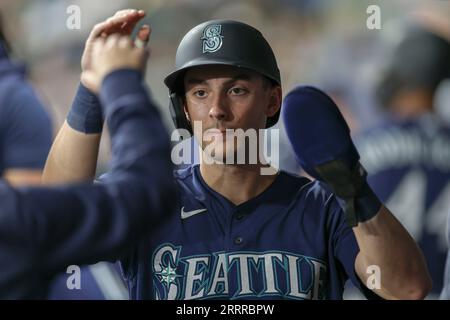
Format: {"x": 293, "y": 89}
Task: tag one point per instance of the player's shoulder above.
{"x": 305, "y": 188}
{"x": 183, "y": 176}
{"x": 184, "y": 173}
{"x": 312, "y": 199}
{"x": 293, "y": 180}
{"x": 188, "y": 179}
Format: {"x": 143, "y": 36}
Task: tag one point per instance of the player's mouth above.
{"x": 214, "y": 133}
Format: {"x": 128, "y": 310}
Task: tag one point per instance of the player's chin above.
{"x": 220, "y": 152}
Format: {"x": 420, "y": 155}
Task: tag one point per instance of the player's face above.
{"x": 226, "y": 97}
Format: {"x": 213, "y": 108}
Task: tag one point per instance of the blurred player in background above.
{"x": 25, "y": 127}
{"x": 408, "y": 155}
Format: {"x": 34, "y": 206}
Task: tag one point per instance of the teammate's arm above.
{"x": 384, "y": 242}
{"x": 42, "y": 230}
{"x": 73, "y": 155}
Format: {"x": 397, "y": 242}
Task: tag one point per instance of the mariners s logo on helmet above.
{"x": 212, "y": 39}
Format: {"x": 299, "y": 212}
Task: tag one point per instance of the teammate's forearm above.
{"x": 72, "y": 157}
{"x": 386, "y": 244}
{"x": 125, "y": 97}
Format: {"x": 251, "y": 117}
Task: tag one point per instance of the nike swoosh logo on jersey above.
{"x": 187, "y": 214}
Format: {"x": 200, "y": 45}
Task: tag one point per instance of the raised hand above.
{"x": 123, "y": 22}
{"x": 110, "y": 54}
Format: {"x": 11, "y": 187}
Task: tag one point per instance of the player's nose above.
{"x": 218, "y": 109}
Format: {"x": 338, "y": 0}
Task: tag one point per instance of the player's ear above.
{"x": 275, "y": 97}
{"x": 185, "y": 109}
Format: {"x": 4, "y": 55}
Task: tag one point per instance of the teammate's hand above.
{"x": 110, "y": 54}
{"x": 122, "y": 23}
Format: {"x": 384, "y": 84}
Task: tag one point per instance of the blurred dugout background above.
{"x": 320, "y": 42}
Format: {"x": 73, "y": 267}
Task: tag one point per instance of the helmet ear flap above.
{"x": 272, "y": 120}
{"x": 177, "y": 113}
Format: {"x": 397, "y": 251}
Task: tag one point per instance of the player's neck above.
{"x": 237, "y": 183}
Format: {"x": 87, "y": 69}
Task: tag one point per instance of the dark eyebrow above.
{"x": 243, "y": 76}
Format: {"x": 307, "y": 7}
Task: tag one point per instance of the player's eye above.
{"x": 237, "y": 91}
{"x": 200, "y": 93}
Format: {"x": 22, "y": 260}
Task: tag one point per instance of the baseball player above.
{"x": 44, "y": 230}
{"x": 406, "y": 155}
{"x": 240, "y": 234}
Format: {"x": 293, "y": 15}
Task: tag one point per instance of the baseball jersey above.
{"x": 408, "y": 163}
{"x": 25, "y": 127}
{"x": 289, "y": 242}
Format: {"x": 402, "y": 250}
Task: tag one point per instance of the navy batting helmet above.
{"x": 220, "y": 42}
